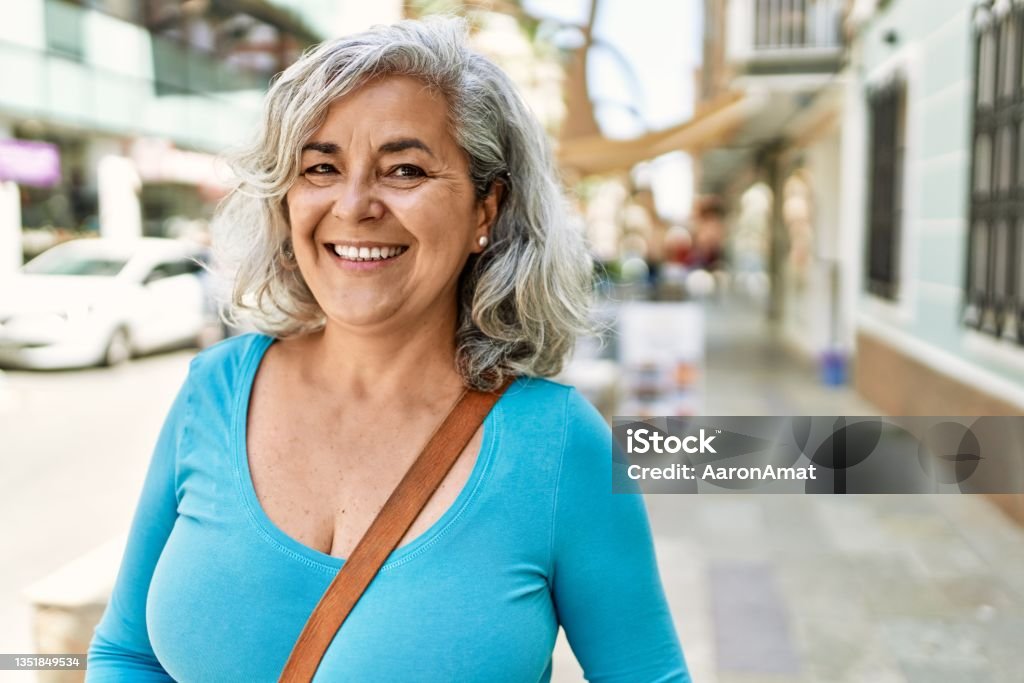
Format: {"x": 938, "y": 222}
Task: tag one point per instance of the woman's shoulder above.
{"x": 538, "y": 394}
{"x": 555, "y": 430}
{"x": 228, "y": 358}
{"x": 537, "y": 401}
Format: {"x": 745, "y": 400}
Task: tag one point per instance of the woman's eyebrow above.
{"x": 403, "y": 144}
{"x": 323, "y": 147}
{"x": 392, "y": 147}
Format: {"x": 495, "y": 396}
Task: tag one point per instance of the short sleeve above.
{"x": 604, "y": 575}
{"x": 120, "y": 649}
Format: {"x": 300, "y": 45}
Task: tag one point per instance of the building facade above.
{"x": 118, "y": 105}
{"x": 780, "y": 169}
{"x": 892, "y": 175}
{"x": 938, "y": 329}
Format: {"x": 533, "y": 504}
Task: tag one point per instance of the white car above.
{"x": 101, "y": 301}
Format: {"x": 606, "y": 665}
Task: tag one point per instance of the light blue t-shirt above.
{"x": 211, "y": 590}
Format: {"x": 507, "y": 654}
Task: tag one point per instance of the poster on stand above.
{"x": 661, "y": 351}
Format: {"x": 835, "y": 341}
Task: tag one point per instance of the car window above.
{"x": 59, "y": 261}
{"x": 171, "y": 268}
{"x": 161, "y": 271}
{"x": 193, "y": 267}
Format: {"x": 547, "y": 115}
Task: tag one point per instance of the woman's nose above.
{"x": 356, "y": 202}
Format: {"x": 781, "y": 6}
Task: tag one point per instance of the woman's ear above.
{"x": 491, "y": 204}
{"x": 498, "y": 189}
{"x": 285, "y": 211}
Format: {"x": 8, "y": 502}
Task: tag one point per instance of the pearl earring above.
{"x": 482, "y": 241}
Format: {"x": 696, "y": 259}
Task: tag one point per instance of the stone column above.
{"x": 10, "y": 221}
{"x": 10, "y": 228}
{"x": 120, "y": 208}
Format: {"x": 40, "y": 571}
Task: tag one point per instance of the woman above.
{"x": 397, "y": 234}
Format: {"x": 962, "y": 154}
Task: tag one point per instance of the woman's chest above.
{"x": 459, "y": 612}
{"x": 322, "y": 480}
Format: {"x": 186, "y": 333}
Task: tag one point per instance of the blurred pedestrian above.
{"x": 398, "y": 237}
{"x": 708, "y": 248}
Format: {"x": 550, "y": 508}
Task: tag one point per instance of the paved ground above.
{"x": 74, "y": 447}
{"x": 872, "y": 589}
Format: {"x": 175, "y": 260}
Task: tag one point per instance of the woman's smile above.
{"x": 366, "y": 257}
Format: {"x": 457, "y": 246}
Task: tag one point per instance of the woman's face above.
{"x": 383, "y": 214}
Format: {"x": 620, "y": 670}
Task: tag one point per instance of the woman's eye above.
{"x": 319, "y": 169}
{"x": 408, "y": 171}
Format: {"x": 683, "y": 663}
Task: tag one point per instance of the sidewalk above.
{"x": 750, "y": 372}
{"x": 879, "y": 589}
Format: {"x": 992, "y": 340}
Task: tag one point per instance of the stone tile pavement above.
{"x": 851, "y": 589}
{"x": 860, "y": 588}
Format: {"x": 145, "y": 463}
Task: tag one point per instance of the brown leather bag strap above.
{"x": 387, "y": 529}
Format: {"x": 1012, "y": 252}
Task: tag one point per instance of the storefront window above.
{"x": 71, "y": 204}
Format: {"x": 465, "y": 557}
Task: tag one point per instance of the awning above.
{"x": 711, "y": 126}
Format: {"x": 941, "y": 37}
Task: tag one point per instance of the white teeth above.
{"x": 366, "y": 253}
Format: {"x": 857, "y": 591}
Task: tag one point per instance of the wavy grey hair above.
{"x": 522, "y": 301}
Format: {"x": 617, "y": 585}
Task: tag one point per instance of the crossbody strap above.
{"x": 387, "y": 529}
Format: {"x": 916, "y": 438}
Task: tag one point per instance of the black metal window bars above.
{"x": 887, "y": 143}
{"x": 994, "y": 283}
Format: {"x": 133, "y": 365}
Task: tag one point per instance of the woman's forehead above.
{"x": 388, "y": 109}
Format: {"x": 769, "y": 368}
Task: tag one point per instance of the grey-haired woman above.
{"x": 397, "y": 234}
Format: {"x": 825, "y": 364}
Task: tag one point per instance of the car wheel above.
{"x": 119, "y": 348}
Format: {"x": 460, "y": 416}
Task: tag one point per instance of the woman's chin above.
{"x": 354, "y": 317}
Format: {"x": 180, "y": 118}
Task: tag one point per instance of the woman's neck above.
{"x": 413, "y": 364}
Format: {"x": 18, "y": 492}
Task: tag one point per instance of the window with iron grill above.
{"x": 994, "y": 284}
{"x": 789, "y": 24}
{"x": 885, "y": 185}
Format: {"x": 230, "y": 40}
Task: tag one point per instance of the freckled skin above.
{"x": 410, "y": 197}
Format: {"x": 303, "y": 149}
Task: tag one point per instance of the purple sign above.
{"x": 30, "y": 162}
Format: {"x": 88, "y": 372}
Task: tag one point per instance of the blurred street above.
{"x": 879, "y": 589}
{"x": 748, "y": 371}
{"x": 915, "y": 589}
{"x": 75, "y": 450}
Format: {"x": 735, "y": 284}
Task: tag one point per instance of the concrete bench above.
{"x": 68, "y": 604}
